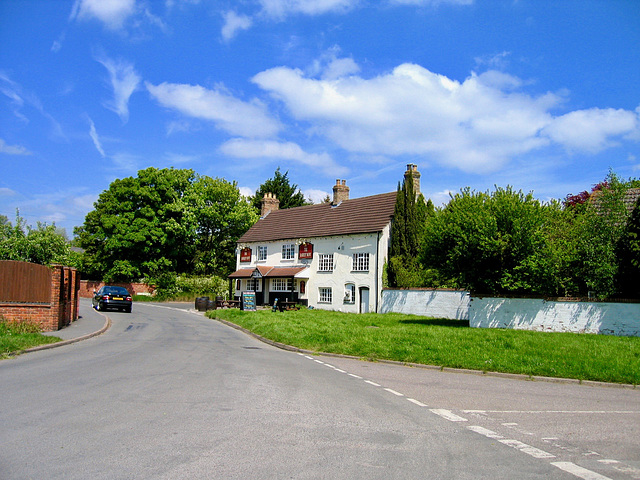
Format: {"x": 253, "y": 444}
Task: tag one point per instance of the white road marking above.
{"x": 372, "y": 383}
{"x": 420, "y": 404}
{"x": 580, "y": 472}
{"x": 448, "y": 415}
{"x": 398, "y": 394}
{"x": 319, "y": 361}
{"x": 528, "y": 449}
{"x": 354, "y": 375}
{"x": 341, "y": 371}
{"x": 484, "y": 431}
{"x": 587, "y": 412}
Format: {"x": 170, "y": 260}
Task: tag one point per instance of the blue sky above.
{"x": 540, "y": 95}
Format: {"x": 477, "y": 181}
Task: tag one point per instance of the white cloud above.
{"x": 476, "y": 125}
{"x": 6, "y": 192}
{"x": 247, "y": 119}
{"x": 96, "y": 140}
{"x": 124, "y": 81}
{"x": 13, "y": 149}
{"x": 113, "y": 13}
{"x": 242, "y": 148}
{"x": 233, "y": 23}
{"x": 316, "y": 196}
{"x": 246, "y": 191}
{"x": 282, "y": 8}
{"x": 593, "y": 130}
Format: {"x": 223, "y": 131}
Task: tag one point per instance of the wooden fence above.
{"x": 23, "y": 282}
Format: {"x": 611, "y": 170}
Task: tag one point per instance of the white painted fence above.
{"x": 518, "y": 313}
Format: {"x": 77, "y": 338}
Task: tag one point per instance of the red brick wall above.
{"x": 87, "y": 287}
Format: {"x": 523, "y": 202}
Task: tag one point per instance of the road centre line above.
{"x": 372, "y": 383}
{"x": 398, "y": 394}
{"x": 447, "y": 415}
{"x": 420, "y": 404}
{"x": 579, "y": 472}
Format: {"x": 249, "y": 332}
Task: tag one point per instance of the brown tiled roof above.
{"x": 268, "y": 272}
{"x": 358, "y": 215}
{"x": 630, "y": 198}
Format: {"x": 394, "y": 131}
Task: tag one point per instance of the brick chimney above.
{"x": 340, "y": 192}
{"x": 269, "y": 204}
{"x": 412, "y": 171}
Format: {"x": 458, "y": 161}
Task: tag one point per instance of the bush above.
{"x": 170, "y": 286}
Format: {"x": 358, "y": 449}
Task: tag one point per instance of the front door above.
{"x": 364, "y": 300}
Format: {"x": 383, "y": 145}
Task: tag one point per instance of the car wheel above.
{"x": 128, "y": 309}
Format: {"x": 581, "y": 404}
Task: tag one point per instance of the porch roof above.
{"x": 271, "y": 272}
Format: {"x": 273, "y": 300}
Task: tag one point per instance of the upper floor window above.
{"x": 262, "y": 253}
{"x": 288, "y": 251}
{"x": 360, "y": 262}
{"x": 325, "y": 262}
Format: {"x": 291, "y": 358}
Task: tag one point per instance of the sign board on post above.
{"x": 248, "y": 301}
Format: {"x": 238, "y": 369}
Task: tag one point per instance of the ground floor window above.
{"x": 350, "y": 293}
{"x": 326, "y": 295}
{"x": 253, "y": 285}
{"x": 281, "y": 284}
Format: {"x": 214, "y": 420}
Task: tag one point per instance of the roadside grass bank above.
{"x": 18, "y": 336}
{"x": 448, "y": 343}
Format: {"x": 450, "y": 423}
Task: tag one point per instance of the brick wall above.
{"x": 59, "y": 312}
{"x": 87, "y": 287}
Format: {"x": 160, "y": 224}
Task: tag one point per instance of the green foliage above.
{"x": 163, "y": 221}
{"x": 478, "y": 239}
{"x": 628, "y": 248}
{"x": 44, "y": 244}
{"x": 289, "y": 194}
{"x": 170, "y": 286}
{"x": 16, "y": 336}
{"x": 409, "y": 219}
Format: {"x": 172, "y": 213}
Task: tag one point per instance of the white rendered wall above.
{"x": 556, "y": 316}
{"x": 450, "y": 304}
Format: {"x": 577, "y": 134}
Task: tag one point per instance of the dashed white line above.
{"x": 578, "y": 471}
{"x": 354, "y": 375}
{"x": 398, "y": 394}
{"x": 372, "y": 383}
{"x": 420, "y": 404}
{"x": 528, "y": 449}
{"x": 448, "y": 415}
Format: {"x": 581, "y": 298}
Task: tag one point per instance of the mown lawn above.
{"x": 448, "y": 343}
{"x": 16, "y": 336}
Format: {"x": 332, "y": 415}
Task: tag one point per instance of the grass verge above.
{"x": 18, "y": 336}
{"x": 448, "y": 343}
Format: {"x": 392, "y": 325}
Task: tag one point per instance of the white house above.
{"x": 328, "y": 256}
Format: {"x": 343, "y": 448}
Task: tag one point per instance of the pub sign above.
{"x": 305, "y": 251}
{"x": 245, "y": 255}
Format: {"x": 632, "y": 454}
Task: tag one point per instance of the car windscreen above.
{"x": 116, "y": 291}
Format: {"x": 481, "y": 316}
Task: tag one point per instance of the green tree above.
{"x": 44, "y": 244}
{"x": 628, "y": 280}
{"x": 289, "y": 194}
{"x": 222, "y": 216}
{"x": 478, "y": 240}
{"x": 163, "y": 222}
{"x": 407, "y": 229}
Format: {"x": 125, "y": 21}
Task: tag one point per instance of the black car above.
{"x": 112, "y": 297}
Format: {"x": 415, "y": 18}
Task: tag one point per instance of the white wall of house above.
{"x": 331, "y": 270}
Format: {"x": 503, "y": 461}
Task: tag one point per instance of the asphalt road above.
{"x": 168, "y": 394}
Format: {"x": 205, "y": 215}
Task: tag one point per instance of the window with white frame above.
{"x": 281, "y": 284}
{"x": 350, "y": 293}
{"x": 326, "y": 295}
{"x": 360, "y": 262}
{"x": 253, "y": 285}
{"x": 262, "y": 253}
{"x": 288, "y": 251}
{"x": 325, "y": 262}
